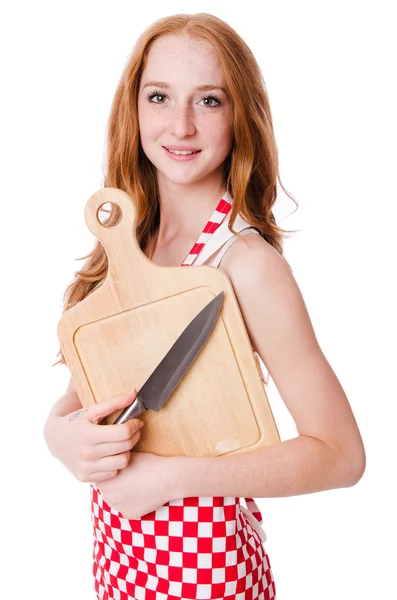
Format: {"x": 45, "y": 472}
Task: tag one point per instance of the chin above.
{"x": 182, "y": 178}
{"x": 186, "y": 176}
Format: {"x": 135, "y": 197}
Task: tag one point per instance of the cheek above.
{"x": 222, "y": 134}
{"x": 148, "y": 123}
{"x": 144, "y": 130}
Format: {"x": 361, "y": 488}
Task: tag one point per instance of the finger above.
{"x": 102, "y": 476}
{"x": 112, "y": 448}
{"x": 113, "y": 463}
{"x": 116, "y": 433}
{"x": 107, "y": 407}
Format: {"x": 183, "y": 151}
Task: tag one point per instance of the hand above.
{"x": 148, "y": 482}
{"x": 90, "y": 451}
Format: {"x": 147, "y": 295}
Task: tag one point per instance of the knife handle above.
{"x": 132, "y": 411}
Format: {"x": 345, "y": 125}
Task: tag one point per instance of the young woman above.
{"x": 191, "y": 139}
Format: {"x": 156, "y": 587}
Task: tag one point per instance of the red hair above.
{"x": 250, "y": 171}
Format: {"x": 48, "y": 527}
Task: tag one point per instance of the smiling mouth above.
{"x": 182, "y": 152}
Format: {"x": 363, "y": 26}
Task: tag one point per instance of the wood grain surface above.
{"x": 114, "y": 338}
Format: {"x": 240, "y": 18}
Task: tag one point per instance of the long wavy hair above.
{"x": 250, "y": 171}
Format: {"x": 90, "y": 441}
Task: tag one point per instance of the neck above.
{"x": 185, "y": 209}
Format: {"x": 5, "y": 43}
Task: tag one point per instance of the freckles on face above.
{"x": 172, "y": 108}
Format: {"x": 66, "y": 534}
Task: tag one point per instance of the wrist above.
{"x": 188, "y": 475}
{"x": 176, "y": 477}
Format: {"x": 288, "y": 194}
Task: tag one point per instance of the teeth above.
{"x": 181, "y": 151}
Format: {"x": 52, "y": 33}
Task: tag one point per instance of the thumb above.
{"x": 107, "y": 407}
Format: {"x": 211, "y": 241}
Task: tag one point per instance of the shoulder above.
{"x": 261, "y": 279}
{"x": 251, "y": 259}
{"x": 272, "y": 306}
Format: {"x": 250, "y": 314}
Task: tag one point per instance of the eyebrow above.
{"x": 201, "y": 88}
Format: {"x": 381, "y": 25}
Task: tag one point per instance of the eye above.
{"x": 160, "y": 97}
{"x": 210, "y": 99}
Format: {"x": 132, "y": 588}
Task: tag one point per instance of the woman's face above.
{"x": 183, "y": 106}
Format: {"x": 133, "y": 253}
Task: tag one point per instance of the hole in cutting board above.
{"x": 109, "y": 214}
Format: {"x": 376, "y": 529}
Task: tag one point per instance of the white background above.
{"x": 330, "y": 74}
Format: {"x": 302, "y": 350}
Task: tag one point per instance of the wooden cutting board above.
{"x": 114, "y": 338}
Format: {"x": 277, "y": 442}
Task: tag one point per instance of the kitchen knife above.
{"x": 161, "y": 383}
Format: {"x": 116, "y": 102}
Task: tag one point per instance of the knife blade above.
{"x": 161, "y": 383}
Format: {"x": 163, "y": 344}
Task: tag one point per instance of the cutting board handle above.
{"x": 119, "y": 241}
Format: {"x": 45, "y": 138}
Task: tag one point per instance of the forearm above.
{"x": 65, "y": 405}
{"x": 298, "y": 466}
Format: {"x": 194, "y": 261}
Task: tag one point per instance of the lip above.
{"x": 181, "y": 148}
{"x": 181, "y": 157}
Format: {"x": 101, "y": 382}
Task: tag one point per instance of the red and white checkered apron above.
{"x": 194, "y": 548}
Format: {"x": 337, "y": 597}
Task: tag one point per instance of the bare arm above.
{"x": 68, "y": 403}
{"x": 328, "y": 451}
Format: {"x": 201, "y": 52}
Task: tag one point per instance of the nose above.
{"x": 182, "y": 122}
